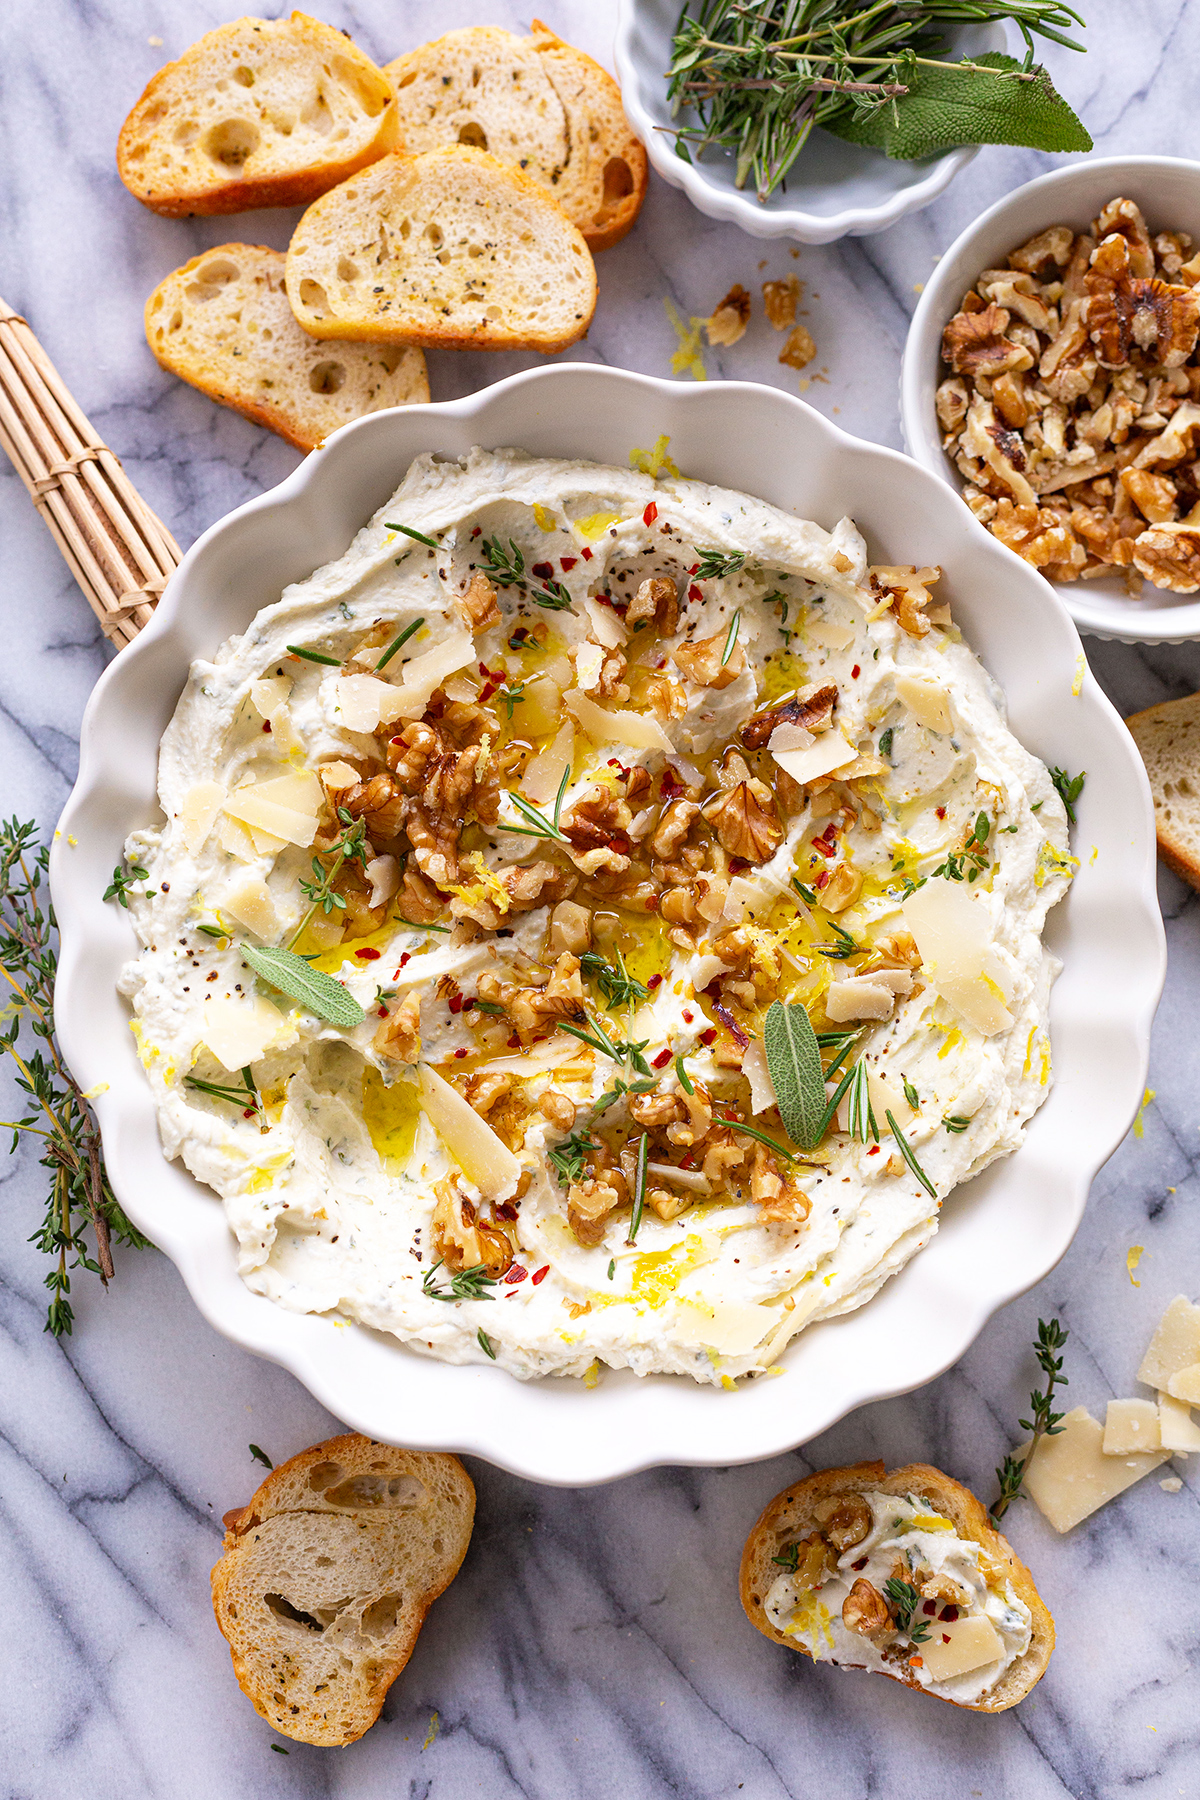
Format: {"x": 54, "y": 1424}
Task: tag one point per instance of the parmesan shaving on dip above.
{"x": 564, "y": 774}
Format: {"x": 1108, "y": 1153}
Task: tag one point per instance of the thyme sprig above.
{"x": 121, "y": 885}
{"x": 467, "y": 1284}
{"x": 1069, "y": 789}
{"x": 714, "y": 564}
{"x": 569, "y": 1157}
{"x": 972, "y": 859}
{"x": 1044, "y": 1422}
{"x": 905, "y": 1598}
{"x": 507, "y": 569}
{"x": 349, "y": 846}
{"x": 55, "y": 1109}
{"x": 614, "y": 980}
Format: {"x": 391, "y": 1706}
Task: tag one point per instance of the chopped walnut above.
{"x": 845, "y": 1520}
{"x": 464, "y": 1241}
{"x": 1123, "y": 218}
{"x": 484, "y": 1089}
{"x": 951, "y": 402}
{"x": 944, "y": 1588}
{"x": 799, "y": 348}
{"x": 653, "y": 1110}
{"x": 657, "y": 599}
{"x": 705, "y": 663}
{"x": 535, "y": 1009}
{"x": 907, "y": 589}
{"x": 591, "y": 1202}
{"x": 1170, "y": 557}
{"x": 812, "y": 710}
{"x": 1052, "y": 246}
{"x": 1153, "y": 495}
{"x": 865, "y": 1611}
{"x": 975, "y": 344}
{"x": 570, "y": 928}
{"x": 596, "y": 828}
{"x": 780, "y": 300}
{"x": 534, "y": 884}
{"x": 398, "y": 1037}
{"x": 814, "y": 1561}
{"x": 728, "y": 323}
{"x": 1124, "y": 311}
{"x": 477, "y": 606}
{"x": 843, "y": 888}
{"x": 559, "y": 1108}
{"x": 745, "y": 825}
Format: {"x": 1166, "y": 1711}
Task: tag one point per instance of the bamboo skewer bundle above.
{"x": 119, "y": 552}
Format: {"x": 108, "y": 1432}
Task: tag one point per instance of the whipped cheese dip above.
{"x": 565, "y": 773}
{"x": 955, "y": 1623}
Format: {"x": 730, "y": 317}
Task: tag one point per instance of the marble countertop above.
{"x": 593, "y": 1644}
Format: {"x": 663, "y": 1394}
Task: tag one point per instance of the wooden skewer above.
{"x": 120, "y": 553}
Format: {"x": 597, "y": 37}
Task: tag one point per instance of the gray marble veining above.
{"x": 593, "y": 1644}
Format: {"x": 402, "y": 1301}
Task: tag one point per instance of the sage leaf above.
{"x": 947, "y": 107}
{"x": 794, "y": 1065}
{"x": 322, "y": 995}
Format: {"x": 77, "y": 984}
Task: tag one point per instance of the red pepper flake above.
{"x": 514, "y": 1042}
{"x": 737, "y": 866}
{"x": 477, "y": 531}
{"x": 945, "y": 1640}
{"x": 709, "y": 1036}
{"x": 383, "y": 1012}
{"x": 688, "y": 1016}
{"x": 855, "y": 672}
{"x": 661, "y": 1060}
{"x": 543, "y": 571}
{"x": 248, "y": 1113}
{"x": 266, "y": 724}
{"x": 693, "y": 568}
{"x": 694, "y": 593}
{"x": 670, "y": 783}
{"x": 827, "y": 842}
{"x": 366, "y": 954}
{"x": 929, "y": 1608}
{"x": 407, "y": 957}
{"x": 485, "y": 693}
{"x": 505, "y": 1209}
{"x": 861, "y": 1563}
{"x": 614, "y": 762}
{"x": 460, "y": 1053}
{"x": 541, "y": 1274}
{"x": 874, "y": 1150}
{"x": 484, "y": 670}
{"x": 650, "y": 514}
{"x": 652, "y": 903}
{"x": 948, "y": 1615}
{"x": 456, "y": 1003}
{"x": 917, "y": 1662}
{"x": 688, "y": 1161}
{"x": 654, "y": 981}
{"x": 518, "y": 1272}
{"x": 586, "y": 554}
{"x": 395, "y": 740}
{"x": 567, "y": 562}
{"x": 466, "y": 1005}
{"x": 822, "y": 879}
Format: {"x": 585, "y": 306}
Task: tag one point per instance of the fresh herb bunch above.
{"x": 1044, "y": 1422}
{"x": 55, "y": 1108}
{"x": 760, "y": 74}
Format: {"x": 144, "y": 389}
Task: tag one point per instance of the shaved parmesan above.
{"x": 544, "y": 772}
{"x": 1186, "y": 1385}
{"x": 926, "y": 699}
{"x": 729, "y": 1329}
{"x": 790, "y": 736}
{"x": 201, "y": 804}
{"x": 424, "y": 673}
{"x": 820, "y": 630}
{"x": 1177, "y": 1429}
{"x": 827, "y": 752}
{"x": 957, "y": 1647}
{"x": 954, "y": 935}
{"x": 1070, "y": 1477}
{"x": 866, "y": 996}
{"x": 1174, "y": 1346}
{"x": 640, "y": 731}
{"x": 237, "y": 840}
{"x": 239, "y": 1031}
{"x": 272, "y": 807}
{"x": 337, "y": 775}
{"x": 270, "y": 697}
{"x": 487, "y": 1163}
{"x": 1130, "y": 1426}
{"x": 364, "y": 702}
{"x": 248, "y": 900}
{"x": 607, "y": 626}
{"x": 547, "y": 1056}
{"x": 887, "y": 1095}
{"x": 754, "y": 1068}
{"x": 589, "y": 660}
{"x": 383, "y": 873}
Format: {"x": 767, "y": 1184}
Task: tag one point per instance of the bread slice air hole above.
{"x": 618, "y": 180}
{"x": 326, "y": 377}
{"x": 231, "y": 142}
{"x": 291, "y": 1615}
{"x": 244, "y": 76}
{"x": 473, "y": 134}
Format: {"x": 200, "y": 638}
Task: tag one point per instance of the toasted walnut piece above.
{"x": 865, "y": 1611}
{"x": 463, "y": 1241}
{"x": 952, "y": 402}
{"x": 590, "y": 1204}
{"x": 702, "y": 661}
{"x": 1067, "y": 365}
{"x": 398, "y": 1037}
{"x": 1189, "y": 272}
{"x": 799, "y": 348}
{"x": 1040, "y": 536}
{"x": 728, "y": 323}
{"x": 845, "y": 1519}
{"x": 1171, "y": 247}
{"x": 673, "y": 827}
{"x": 656, "y": 599}
{"x": 745, "y": 827}
{"x": 813, "y": 711}
{"x": 975, "y": 344}
{"x": 1124, "y": 310}
{"x": 944, "y": 1588}
{"x": 570, "y": 928}
{"x": 678, "y": 907}
{"x": 484, "y": 1089}
{"x": 843, "y": 889}
{"x": 1170, "y": 557}
{"x": 814, "y": 1561}
{"x": 1174, "y": 444}
{"x": 595, "y": 827}
{"x": 613, "y": 670}
{"x": 1124, "y": 218}
{"x": 721, "y": 1156}
{"x": 380, "y": 803}
{"x": 1008, "y": 397}
{"x": 907, "y": 589}
{"x": 533, "y": 1009}
{"x": 559, "y": 1108}
{"x": 1000, "y": 448}
{"x": 780, "y": 300}
{"x": 417, "y": 900}
{"x": 1050, "y": 246}
{"x": 668, "y": 1203}
{"x": 477, "y": 607}
{"x": 1019, "y": 294}
{"x": 655, "y": 1109}
{"x": 1153, "y": 495}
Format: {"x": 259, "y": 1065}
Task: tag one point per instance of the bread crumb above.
{"x": 799, "y": 348}
{"x": 1171, "y": 1484}
{"x": 155, "y": 42}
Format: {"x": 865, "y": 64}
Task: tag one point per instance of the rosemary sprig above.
{"x": 732, "y": 636}
{"x": 537, "y": 824}
{"x": 905, "y": 1149}
{"x": 430, "y": 543}
{"x": 843, "y": 948}
{"x": 685, "y": 1080}
{"x": 614, "y": 981}
{"x": 350, "y": 846}
{"x": 621, "y": 1050}
{"x": 397, "y": 643}
{"x": 761, "y": 1137}
{"x": 246, "y": 1097}
{"x": 468, "y": 1284}
{"x": 417, "y": 925}
{"x": 55, "y": 1109}
{"x": 1045, "y": 1422}
{"x": 639, "y": 1187}
{"x": 314, "y": 656}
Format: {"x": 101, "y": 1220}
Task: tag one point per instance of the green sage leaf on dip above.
{"x": 947, "y": 107}
{"x": 323, "y": 996}
{"x": 794, "y": 1065}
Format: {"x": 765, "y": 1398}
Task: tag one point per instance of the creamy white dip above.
{"x": 348, "y": 1181}
{"x": 910, "y": 1542}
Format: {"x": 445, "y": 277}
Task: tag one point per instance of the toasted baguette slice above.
{"x": 535, "y": 102}
{"x": 257, "y": 113}
{"x": 452, "y": 249}
{"x": 223, "y": 323}
{"x": 327, "y": 1575}
{"x": 793, "y": 1514}
{"x": 1168, "y": 737}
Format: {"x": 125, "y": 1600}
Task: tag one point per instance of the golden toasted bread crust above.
{"x": 792, "y": 1514}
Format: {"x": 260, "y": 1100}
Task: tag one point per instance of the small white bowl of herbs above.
{"x": 823, "y": 119}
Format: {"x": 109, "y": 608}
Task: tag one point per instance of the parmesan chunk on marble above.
{"x": 239, "y": 1031}
{"x": 1177, "y": 1429}
{"x": 487, "y": 1163}
{"x": 1185, "y": 1385}
{"x": 248, "y": 900}
{"x": 953, "y": 933}
{"x": 639, "y": 731}
{"x": 1130, "y": 1426}
{"x": 1071, "y": 1477}
{"x": 955, "y": 1648}
{"x": 198, "y": 814}
{"x": 1174, "y": 1346}
{"x": 926, "y": 699}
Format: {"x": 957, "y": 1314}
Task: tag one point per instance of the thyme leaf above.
{"x": 1044, "y": 1421}
{"x": 1069, "y": 789}
{"x": 467, "y": 1284}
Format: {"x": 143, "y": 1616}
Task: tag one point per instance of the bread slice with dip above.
{"x": 900, "y": 1574}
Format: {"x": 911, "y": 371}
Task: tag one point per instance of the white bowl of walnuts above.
{"x": 1052, "y": 374}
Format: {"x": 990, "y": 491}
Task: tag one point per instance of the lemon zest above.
{"x": 688, "y": 357}
{"x": 591, "y": 1374}
{"x": 1080, "y": 672}
{"x": 654, "y": 462}
{"x": 488, "y": 887}
{"x": 545, "y": 518}
{"x": 1133, "y": 1257}
{"x": 1139, "y": 1129}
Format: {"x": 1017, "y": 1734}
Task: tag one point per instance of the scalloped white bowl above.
{"x": 999, "y": 1234}
{"x": 835, "y": 189}
{"x": 1167, "y": 188}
